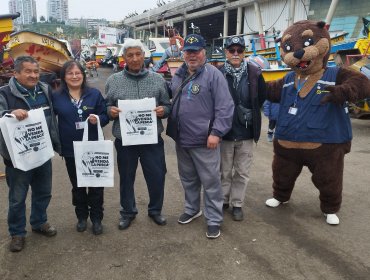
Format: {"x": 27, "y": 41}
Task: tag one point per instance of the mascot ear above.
{"x": 321, "y": 24}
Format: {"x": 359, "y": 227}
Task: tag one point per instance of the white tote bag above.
{"x": 28, "y": 141}
{"x": 138, "y": 121}
{"x": 94, "y": 160}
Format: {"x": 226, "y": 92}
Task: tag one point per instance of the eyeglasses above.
{"x": 73, "y": 74}
{"x": 232, "y": 51}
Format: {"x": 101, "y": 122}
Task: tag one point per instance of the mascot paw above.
{"x": 272, "y": 202}
{"x": 334, "y": 95}
{"x": 332, "y": 219}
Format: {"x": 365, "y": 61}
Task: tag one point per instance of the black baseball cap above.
{"x": 235, "y": 40}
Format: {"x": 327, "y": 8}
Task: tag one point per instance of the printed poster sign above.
{"x": 138, "y": 121}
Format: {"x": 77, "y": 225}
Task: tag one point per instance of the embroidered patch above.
{"x": 192, "y": 40}
{"x": 195, "y": 89}
{"x": 235, "y": 40}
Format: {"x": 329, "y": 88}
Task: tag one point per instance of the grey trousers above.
{"x": 236, "y": 160}
{"x": 197, "y": 167}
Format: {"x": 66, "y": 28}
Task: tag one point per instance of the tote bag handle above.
{"x": 86, "y": 129}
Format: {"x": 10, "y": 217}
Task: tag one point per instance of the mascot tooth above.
{"x": 313, "y": 128}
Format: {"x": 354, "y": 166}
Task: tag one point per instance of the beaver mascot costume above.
{"x": 313, "y": 128}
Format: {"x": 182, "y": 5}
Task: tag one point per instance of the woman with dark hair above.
{"x": 73, "y": 103}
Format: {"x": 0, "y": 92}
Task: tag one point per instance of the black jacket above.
{"x": 252, "y": 92}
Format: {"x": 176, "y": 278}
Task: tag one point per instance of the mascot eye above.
{"x": 308, "y": 42}
{"x": 287, "y": 47}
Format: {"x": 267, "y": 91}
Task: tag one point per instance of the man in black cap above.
{"x": 248, "y": 90}
{"x": 203, "y": 109}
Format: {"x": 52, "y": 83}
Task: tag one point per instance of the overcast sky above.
{"x": 108, "y": 9}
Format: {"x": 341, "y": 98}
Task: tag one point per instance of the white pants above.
{"x": 236, "y": 160}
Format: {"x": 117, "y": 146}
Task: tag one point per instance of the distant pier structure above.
{"x": 258, "y": 18}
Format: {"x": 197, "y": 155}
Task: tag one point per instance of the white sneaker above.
{"x": 272, "y": 202}
{"x": 332, "y": 219}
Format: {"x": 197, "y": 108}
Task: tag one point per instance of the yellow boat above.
{"x": 274, "y": 74}
{"x": 48, "y": 51}
{"x": 6, "y": 27}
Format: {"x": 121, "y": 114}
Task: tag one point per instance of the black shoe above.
{"x": 97, "y": 228}
{"x": 81, "y": 225}
{"x": 213, "y": 232}
{"x": 17, "y": 243}
{"x": 237, "y": 214}
{"x": 46, "y": 230}
{"x": 158, "y": 219}
{"x": 125, "y": 222}
{"x": 225, "y": 206}
{"x": 186, "y": 218}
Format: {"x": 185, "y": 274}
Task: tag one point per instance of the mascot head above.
{"x": 305, "y": 46}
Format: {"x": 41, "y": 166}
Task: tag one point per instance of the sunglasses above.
{"x": 232, "y": 51}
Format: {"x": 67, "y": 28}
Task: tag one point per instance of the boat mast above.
{"x": 291, "y": 12}
{"x": 329, "y": 16}
{"x": 260, "y": 25}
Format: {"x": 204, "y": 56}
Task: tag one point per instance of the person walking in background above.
{"x": 248, "y": 90}
{"x": 203, "y": 109}
{"x": 74, "y": 102}
{"x": 23, "y": 93}
{"x": 136, "y": 82}
{"x": 271, "y": 111}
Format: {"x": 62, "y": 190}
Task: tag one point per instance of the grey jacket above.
{"x": 11, "y": 99}
{"x": 125, "y": 85}
{"x": 206, "y": 106}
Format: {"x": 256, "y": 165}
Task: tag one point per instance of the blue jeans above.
{"x": 154, "y": 168}
{"x": 18, "y": 182}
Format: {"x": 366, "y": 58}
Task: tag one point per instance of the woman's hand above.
{"x": 93, "y": 119}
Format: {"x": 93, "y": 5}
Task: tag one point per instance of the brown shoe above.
{"x": 17, "y": 244}
{"x": 46, "y": 229}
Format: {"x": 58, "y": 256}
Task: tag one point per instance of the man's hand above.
{"x": 212, "y": 141}
{"x": 20, "y": 114}
{"x": 159, "y": 111}
{"x": 114, "y": 112}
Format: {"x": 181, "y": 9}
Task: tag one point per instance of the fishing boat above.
{"x": 6, "y": 28}
{"x": 48, "y": 51}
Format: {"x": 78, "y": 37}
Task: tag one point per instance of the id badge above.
{"x": 79, "y": 125}
{"x": 293, "y": 110}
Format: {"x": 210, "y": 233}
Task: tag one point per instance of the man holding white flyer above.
{"x": 135, "y": 120}
{"x": 26, "y": 92}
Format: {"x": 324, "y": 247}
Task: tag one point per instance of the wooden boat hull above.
{"x": 274, "y": 74}
{"x": 48, "y": 51}
{"x": 174, "y": 64}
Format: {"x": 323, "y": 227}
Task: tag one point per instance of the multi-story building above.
{"x": 89, "y": 23}
{"x": 27, "y": 9}
{"x": 57, "y": 10}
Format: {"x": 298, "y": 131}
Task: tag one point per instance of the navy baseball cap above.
{"x": 194, "y": 42}
{"x": 235, "y": 40}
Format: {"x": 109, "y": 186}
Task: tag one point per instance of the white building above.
{"x": 57, "y": 10}
{"x": 27, "y": 9}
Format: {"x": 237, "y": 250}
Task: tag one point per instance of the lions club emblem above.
{"x": 195, "y": 89}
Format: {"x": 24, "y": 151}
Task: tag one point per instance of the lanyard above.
{"x": 299, "y": 87}
{"x": 77, "y": 104}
